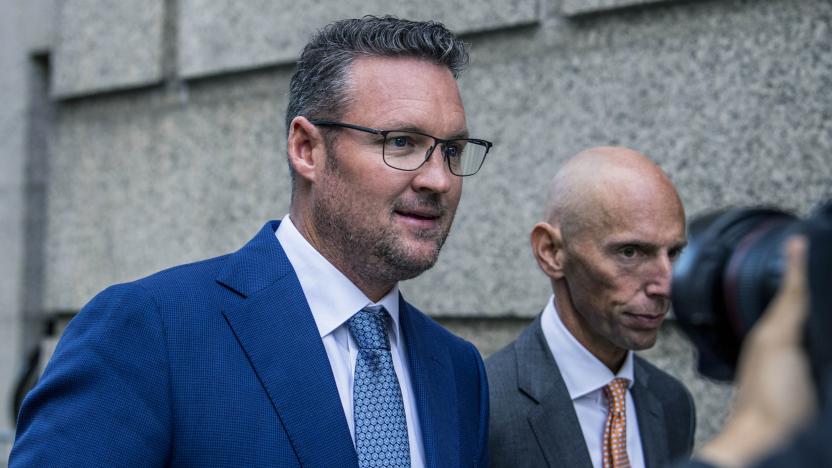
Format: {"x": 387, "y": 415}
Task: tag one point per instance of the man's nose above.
{"x": 659, "y": 281}
{"x": 434, "y": 175}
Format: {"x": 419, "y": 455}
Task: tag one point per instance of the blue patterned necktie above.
{"x": 380, "y": 424}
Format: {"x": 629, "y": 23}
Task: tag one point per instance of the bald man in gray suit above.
{"x": 614, "y": 224}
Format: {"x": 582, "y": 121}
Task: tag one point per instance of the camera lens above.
{"x": 724, "y": 279}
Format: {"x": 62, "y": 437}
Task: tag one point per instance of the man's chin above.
{"x": 416, "y": 237}
{"x": 412, "y": 260}
{"x": 421, "y": 244}
{"x": 645, "y": 340}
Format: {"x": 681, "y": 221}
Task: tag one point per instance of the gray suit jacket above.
{"x": 534, "y": 424}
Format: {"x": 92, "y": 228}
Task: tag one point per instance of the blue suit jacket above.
{"x": 219, "y": 363}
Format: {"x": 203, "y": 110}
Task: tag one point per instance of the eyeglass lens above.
{"x": 408, "y": 151}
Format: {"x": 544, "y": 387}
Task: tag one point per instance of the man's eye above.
{"x": 674, "y": 253}
{"x": 399, "y": 142}
{"x": 629, "y": 252}
{"x": 453, "y": 151}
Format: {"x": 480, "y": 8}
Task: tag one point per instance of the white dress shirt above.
{"x": 333, "y": 299}
{"x": 585, "y": 377}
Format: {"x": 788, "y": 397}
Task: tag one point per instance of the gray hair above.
{"x": 318, "y": 88}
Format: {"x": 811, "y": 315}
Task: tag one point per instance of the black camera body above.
{"x": 731, "y": 270}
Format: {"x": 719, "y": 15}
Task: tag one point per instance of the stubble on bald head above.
{"x": 595, "y": 185}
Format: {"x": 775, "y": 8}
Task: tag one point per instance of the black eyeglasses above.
{"x": 408, "y": 151}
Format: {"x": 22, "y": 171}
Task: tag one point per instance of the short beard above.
{"x": 371, "y": 253}
{"x": 398, "y": 260}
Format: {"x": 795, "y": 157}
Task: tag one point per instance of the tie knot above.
{"x": 616, "y": 392}
{"x": 368, "y": 328}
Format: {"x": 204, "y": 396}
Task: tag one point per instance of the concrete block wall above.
{"x": 26, "y": 30}
{"x": 12, "y": 143}
{"x": 168, "y": 140}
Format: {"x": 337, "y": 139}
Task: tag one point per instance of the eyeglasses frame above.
{"x": 436, "y": 141}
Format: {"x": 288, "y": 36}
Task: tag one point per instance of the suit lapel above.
{"x": 651, "y": 421}
{"x": 553, "y": 421}
{"x": 275, "y": 328}
{"x": 434, "y": 389}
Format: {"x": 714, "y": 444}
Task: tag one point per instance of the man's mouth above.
{"x": 643, "y": 320}
{"x": 421, "y": 213}
{"x": 420, "y": 219}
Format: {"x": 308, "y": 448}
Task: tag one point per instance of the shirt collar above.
{"x": 582, "y": 372}
{"x": 331, "y": 296}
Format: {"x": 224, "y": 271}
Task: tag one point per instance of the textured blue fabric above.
{"x": 380, "y": 424}
{"x": 219, "y": 363}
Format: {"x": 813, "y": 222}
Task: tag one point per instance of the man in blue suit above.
{"x": 298, "y": 349}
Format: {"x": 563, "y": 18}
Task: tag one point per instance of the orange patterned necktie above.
{"x": 615, "y": 430}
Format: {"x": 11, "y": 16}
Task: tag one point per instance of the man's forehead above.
{"x": 614, "y": 218}
{"x": 381, "y": 74}
{"x": 405, "y": 94}
{"x": 661, "y": 230}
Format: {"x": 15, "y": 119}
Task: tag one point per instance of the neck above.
{"x": 374, "y": 289}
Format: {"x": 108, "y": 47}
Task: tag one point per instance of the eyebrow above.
{"x": 681, "y": 245}
{"x": 615, "y": 245}
{"x": 460, "y": 134}
{"x": 645, "y": 245}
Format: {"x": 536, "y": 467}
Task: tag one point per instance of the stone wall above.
{"x": 169, "y": 142}
{"x": 26, "y": 30}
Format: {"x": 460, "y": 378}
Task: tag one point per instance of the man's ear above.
{"x": 547, "y": 248}
{"x": 306, "y": 148}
